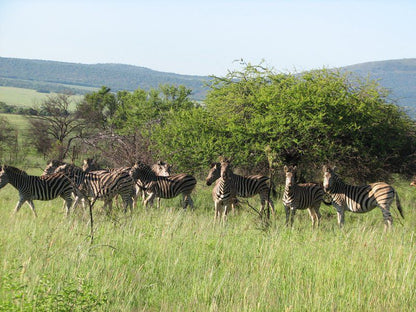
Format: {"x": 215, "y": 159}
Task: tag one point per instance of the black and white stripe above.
{"x": 301, "y": 196}
{"x": 360, "y": 199}
{"x": 37, "y": 188}
{"x": 246, "y": 186}
{"x": 102, "y": 184}
{"x": 224, "y": 192}
{"x": 163, "y": 187}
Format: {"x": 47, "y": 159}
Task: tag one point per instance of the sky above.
{"x": 207, "y": 37}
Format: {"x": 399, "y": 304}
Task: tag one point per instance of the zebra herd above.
{"x": 76, "y": 184}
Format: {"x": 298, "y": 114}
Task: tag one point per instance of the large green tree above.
{"x": 306, "y": 119}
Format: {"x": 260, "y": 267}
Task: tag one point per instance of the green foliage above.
{"x": 306, "y": 119}
{"x": 73, "y": 295}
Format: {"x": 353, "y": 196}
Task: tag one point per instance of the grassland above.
{"x": 26, "y": 97}
{"x": 174, "y": 260}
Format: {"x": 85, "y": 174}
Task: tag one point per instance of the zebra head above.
{"x": 162, "y": 169}
{"x": 4, "y": 179}
{"x": 90, "y": 164}
{"x": 214, "y": 173}
{"x": 329, "y": 177}
{"x": 51, "y": 166}
{"x": 290, "y": 173}
{"x": 226, "y": 171}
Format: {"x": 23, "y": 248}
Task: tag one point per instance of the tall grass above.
{"x": 175, "y": 260}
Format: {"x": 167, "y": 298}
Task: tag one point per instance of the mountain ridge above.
{"x": 56, "y": 76}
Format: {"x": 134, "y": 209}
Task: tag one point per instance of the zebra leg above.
{"x": 287, "y": 211}
{"x": 68, "y": 203}
{"x": 149, "y": 199}
{"x": 341, "y": 218}
{"x": 32, "y": 206}
{"x": 388, "y": 220}
{"x": 314, "y": 216}
{"x": 217, "y": 212}
{"x": 292, "y": 215}
{"x": 128, "y": 203}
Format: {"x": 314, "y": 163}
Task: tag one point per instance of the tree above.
{"x": 8, "y": 140}
{"x": 53, "y": 131}
{"x": 307, "y": 119}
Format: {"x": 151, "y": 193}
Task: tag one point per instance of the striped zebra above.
{"x": 360, "y": 199}
{"x": 246, "y": 186}
{"x": 102, "y": 184}
{"x": 163, "y": 187}
{"x": 37, "y": 188}
{"x": 301, "y": 196}
{"x": 224, "y": 192}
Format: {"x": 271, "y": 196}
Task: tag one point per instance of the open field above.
{"x": 172, "y": 260}
{"x": 26, "y": 97}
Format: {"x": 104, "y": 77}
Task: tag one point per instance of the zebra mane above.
{"x": 14, "y": 170}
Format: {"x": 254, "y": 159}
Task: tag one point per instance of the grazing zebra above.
{"x": 246, "y": 186}
{"x": 102, "y": 184}
{"x": 37, "y": 188}
{"x": 224, "y": 192}
{"x": 360, "y": 199}
{"x": 163, "y": 187}
{"x": 301, "y": 196}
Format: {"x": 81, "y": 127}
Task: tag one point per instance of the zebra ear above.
{"x": 285, "y": 168}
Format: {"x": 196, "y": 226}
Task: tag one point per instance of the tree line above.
{"x": 259, "y": 118}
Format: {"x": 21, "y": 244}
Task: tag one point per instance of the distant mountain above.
{"x": 397, "y": 75}
{"x": 80, "y": 78}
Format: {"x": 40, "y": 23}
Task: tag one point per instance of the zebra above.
{"x": 360, "y": 199}
{"x": 37, "y": 187}
{"x": 163, "y": 187}
{"x": 102, "y": 184}
{"x": 301, "y": 196}
{"x": 246, "y": 186}
{"x": 224, "y": 193}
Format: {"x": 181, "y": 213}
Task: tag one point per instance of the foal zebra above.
{"x": 360, "y": 198}
{"x": 224, "y": 192}
{"x": 163, "y": 187}
{"x": 246, "y": 186}
{"x": 301, "y": 196}
{"x": 37, "y": 188}
{"x": 102, "y": 184}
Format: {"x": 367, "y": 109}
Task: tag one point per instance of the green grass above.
{"x": 26, "y": 97}
{"x": 171, "y": 260}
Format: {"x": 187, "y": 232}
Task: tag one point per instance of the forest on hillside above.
{"x": 60, "y": 76}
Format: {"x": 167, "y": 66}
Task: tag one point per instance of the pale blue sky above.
{"x": 205, "y": 37}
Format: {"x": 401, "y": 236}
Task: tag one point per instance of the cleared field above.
{"x": 26, "y": 97}
{"x": 172, "y": 260}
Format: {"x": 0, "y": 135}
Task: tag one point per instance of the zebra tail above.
{"x": 399, "y": 206}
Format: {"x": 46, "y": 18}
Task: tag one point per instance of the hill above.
{"x": 397, "y": 75}
{"x": 52, "y": 76}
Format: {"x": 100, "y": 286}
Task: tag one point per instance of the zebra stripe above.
{"x": 224, "y": 192}
{"x": 301, "y": 196}
{"x": 37, "y": 188}
{"x": 163, "y": 187}
{"x": 360, "y": 199}
{"x": 246, "y": 186}
{"x": 102, "y": 184}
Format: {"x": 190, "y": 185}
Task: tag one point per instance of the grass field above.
{"x": 26, "y": 97}
{"x": 174, "y": 260}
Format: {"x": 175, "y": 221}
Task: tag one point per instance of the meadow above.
{"x": 22, "y": 97}
{"x": 173, "y": 260}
